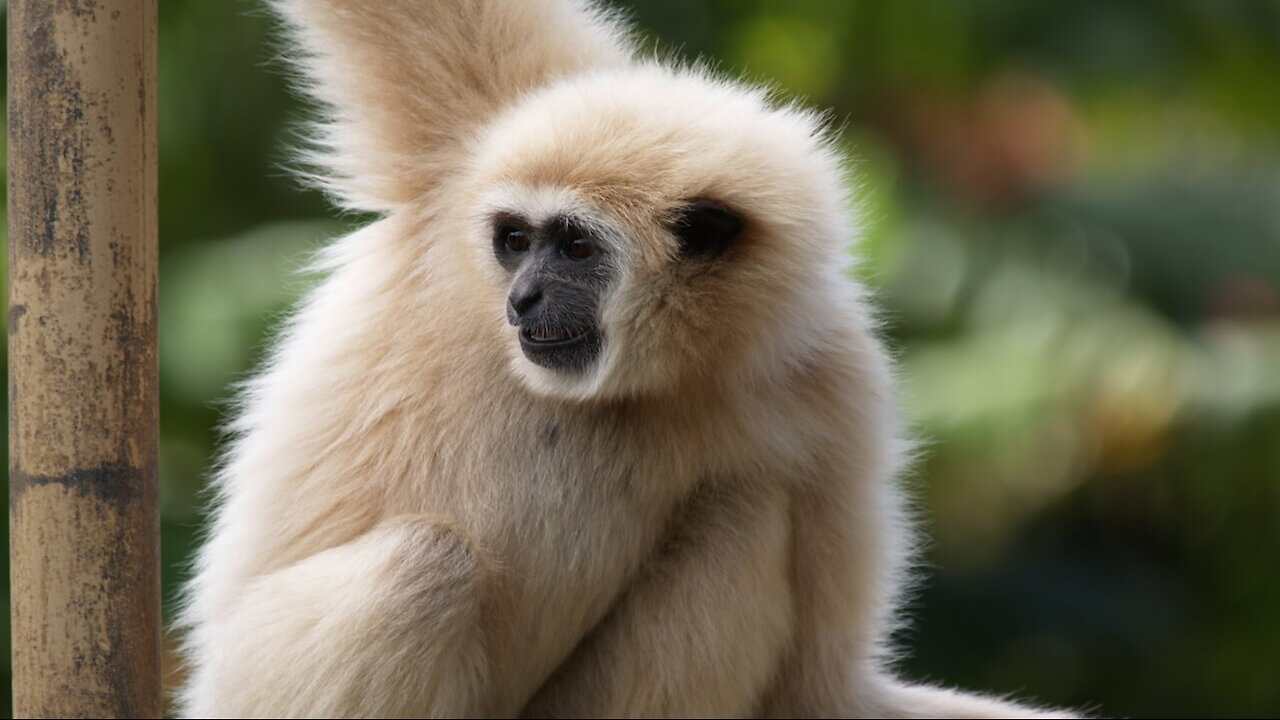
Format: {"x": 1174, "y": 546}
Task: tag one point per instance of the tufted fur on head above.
{"x": 415, "y": 518}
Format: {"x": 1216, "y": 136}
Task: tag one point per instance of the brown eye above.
{"x": 580, "y": 248}
{"x": 515, "y": 240}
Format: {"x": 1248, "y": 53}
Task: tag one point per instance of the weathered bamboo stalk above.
{"x": 83, "y": 410}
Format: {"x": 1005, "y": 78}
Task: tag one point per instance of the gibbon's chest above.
{"x": 567, "y": 502}
{"x": 562, "y": 475}
{"x": 533, "y": 475}
{"x": 566, "y": 506}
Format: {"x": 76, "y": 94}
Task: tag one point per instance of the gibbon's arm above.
{"x": 405, "y": 83}
{"x": 384, "y": 626}
{"x": 700, "y": 632}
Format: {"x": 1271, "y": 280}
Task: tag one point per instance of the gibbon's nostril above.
{"x": 522, "y": 300}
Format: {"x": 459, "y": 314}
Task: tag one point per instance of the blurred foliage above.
{"x": 1070, "y": 213}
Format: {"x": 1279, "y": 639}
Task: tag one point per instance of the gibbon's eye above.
{"x": 513, "y": 240}
{"x": 706, "y": 228}
{"x": 580, "y": 248}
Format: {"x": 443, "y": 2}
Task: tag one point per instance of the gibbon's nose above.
{"x": 525, "y": 297}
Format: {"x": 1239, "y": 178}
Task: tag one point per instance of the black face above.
{"x": 559, "y": 275}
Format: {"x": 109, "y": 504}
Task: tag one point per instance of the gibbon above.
{"x": 591, "y": 421}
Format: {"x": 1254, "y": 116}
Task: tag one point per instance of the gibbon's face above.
{"x": 559, "y": 272}
{"x": 561, "y": 275}
{"x": 649, "y": 231}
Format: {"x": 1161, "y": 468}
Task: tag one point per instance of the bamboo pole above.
{"x": 84, "y": 523}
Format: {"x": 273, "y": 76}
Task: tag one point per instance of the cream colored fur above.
{"x": 416, "y": 521}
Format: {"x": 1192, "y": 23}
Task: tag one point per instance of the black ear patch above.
{"x": 706, "y": 228}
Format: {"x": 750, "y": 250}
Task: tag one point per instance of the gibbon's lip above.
{"x": 546, "y": 339}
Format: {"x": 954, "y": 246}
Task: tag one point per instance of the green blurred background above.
{"x": 1072, "y": 217}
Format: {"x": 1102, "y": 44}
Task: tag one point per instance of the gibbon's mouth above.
{"x": 544, "y": 338}
{"x": 560, "y": 349}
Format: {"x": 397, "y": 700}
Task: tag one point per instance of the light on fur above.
{"x": 592, "y": 422}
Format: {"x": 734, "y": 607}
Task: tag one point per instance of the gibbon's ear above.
{"x": 706, "y": 228}
{"x": 403, "y": 82}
